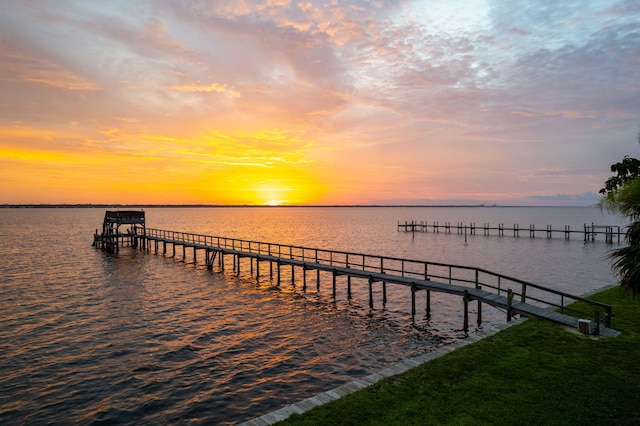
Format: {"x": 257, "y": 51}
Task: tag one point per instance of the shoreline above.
{"x": 356, "y": 385}
{"x": 322, "y": 398}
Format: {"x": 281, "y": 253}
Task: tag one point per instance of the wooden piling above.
{"x": 257, "y": 268}
{"x": 278, "y": 272}
{"x": 479, "y": 320}
{"x": 465, "y": 299}
{"x": 304, "y": 278}
{"x": 334, "y": 273}
{"x": 509, "y": 305}
{"x": 413, "y": 301}
{"x": 428, "y": 297}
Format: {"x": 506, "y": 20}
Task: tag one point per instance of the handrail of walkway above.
{"x": 419, "y": 269}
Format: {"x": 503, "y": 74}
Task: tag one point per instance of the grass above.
{"x": 535, "y": 372}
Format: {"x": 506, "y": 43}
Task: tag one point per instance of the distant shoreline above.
{"x": 129, "y": 206}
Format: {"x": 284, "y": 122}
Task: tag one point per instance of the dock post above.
{"x": 304, "y": 278}
{"x": 479, "y": 310}
{"x": 465, "y": 299}
{"x": 413, "y": 301}
{"x": 371, "y": 292}
{"x": 384, "y": 292}
{"x": 257, "y": 267}
{"x": 428, "y": 304}
{"x": 293, "y": 275}
{"x": 509, "y": 302}
{"x": 348, "y": 278}
{"x": 317, "y": 280}
{"x": 334, "y": 273}
{"x": 278, "y": 272}
{"x": 212, "y": 257}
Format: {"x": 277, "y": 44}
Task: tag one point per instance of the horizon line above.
{"x": 202, "y": 205}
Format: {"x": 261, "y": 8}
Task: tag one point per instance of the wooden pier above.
{"x": 512, "y": 295}
{"x": 588, "y": 232}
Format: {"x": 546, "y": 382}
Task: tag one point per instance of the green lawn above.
{"x": 535, "y": 372}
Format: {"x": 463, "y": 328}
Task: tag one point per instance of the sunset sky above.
{"x": 316, "y": 102}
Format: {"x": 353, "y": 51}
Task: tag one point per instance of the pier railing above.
{"x": 472, "y": 277}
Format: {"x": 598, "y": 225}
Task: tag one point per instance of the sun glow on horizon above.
{"x": 274, "y": 195}
{"x": 390, "y": 104}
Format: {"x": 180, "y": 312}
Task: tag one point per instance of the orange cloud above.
{"x": 213, "y": 87}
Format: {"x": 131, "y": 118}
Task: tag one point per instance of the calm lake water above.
{"x": 137, "y": 338}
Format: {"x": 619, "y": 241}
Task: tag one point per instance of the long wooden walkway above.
{"x": 588, "y": 232}
{"x": 512, "y": 295}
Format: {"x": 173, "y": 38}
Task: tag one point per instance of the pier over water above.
{"x": 112, "y": 237}
{"x": 588, "y": 232}
{"x": 514, "y": 296}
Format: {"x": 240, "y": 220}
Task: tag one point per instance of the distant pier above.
{"x": 588, "y": 232}
{"x": 512, "y": 295}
